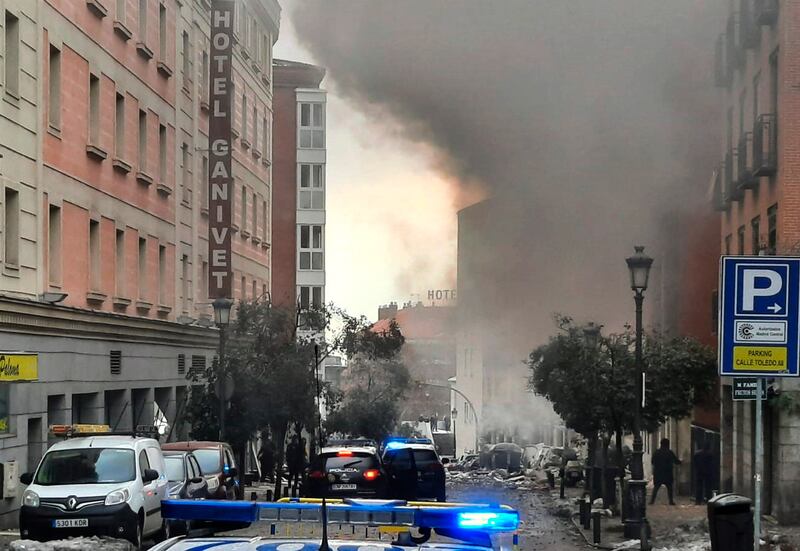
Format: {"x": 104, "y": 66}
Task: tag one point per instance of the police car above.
{"x": 406, "y": 525}
{"x": 98, "y": 483}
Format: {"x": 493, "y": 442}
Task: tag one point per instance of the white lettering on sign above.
{"x": 442, "y": 294}
{"x": 752, "y": 282}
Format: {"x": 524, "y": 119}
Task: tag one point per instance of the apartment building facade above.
{"x": 103, "y": 209}
{"x": 755, "y": 190}
{"x": 299, "y": 196}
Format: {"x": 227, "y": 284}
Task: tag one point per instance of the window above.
{"x": 755, "y": 225}
{"x": 264, "y": 221}
{"x": 119, "y": 126}
{"x": 162, "y": 153}
{"x": 310, "y": 297}
{"x": 94, "y": 109}
{"x": 187, "y": 59}
{"x": 54, "y": 244}
{"x": 11, "y": 54}
{"x": 265, "y": 143}
{"x": 740, "y": 240}
{"x": 203, "y": 278}
{"x": 121, "y": 10}
{"x": 756, "y": 81}
{"x": 742, "y": 103}
{"x": 162, "y": 32}
{"x": 312, "y": 125}
{"x": 244, "y": 209}
{"x": 186, "y": 178}
{"x": 94, "y": 254}
{"x": 204, "y": 183}
{"x": 142, "y": 141}
{"x": 311, "y": 247}
{"x": 255, "y": 289}
{"x": 244, "y": 115}
{"x": 772, "y": 229}
{"x": 728, "y": 239}
{"x": 255, "y": 216}
{"x": 54, "y": 88}
{"x": 11, "y": 221}
{"x": 185, "y": 284}
{"x": 162, "y": 274}
{"x": 142, "y": 268}
{"x": 243, "y": 288}
{"x": 255, "y": 126}
{"x": 312, "y": 193}
{"x": 204, "y": 72}
{"x": 144, "y": 463}
{"x": 119, "y": 254}
{"x": 773, "y": 81}
{"x": 730, "y": 129}
{"x": 143, "y": 20}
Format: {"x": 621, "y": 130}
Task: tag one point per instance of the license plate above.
{"x": 344, "y": 486}
{"x": 71, "y": 523}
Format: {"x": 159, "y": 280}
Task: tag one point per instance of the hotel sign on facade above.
{"x": 220, "y": 179}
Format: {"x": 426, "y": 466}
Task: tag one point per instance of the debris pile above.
{"x": 499, "y": 478}
{"x": 73, "y": 544}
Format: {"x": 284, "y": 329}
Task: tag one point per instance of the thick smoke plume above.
{"x": 585, "y": 121}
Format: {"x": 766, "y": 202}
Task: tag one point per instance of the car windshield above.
{"x": 87, "y": 466}
{"x": 357, "y": 461}
{"x": 209, "y": 460}
{"x": 175, "y": 471}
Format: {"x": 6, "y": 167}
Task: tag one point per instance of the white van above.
{"x": 96, "y": 484}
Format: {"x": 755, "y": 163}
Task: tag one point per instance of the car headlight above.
{"x": 30, "y": 498}
{"x": 118, "y": 496}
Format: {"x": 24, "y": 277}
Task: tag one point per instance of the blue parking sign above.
{"x": 759, "y": 316}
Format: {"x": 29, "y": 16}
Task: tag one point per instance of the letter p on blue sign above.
{"x": 762, "y": 290}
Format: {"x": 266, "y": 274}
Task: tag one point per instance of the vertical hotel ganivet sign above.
{"x": 220, "y": 181}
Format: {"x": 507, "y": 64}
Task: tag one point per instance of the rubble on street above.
{"x": 73, "y": 544}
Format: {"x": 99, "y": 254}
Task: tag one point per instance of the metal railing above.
{"x": 744, "y": 162}
{"x": 765, "y": 145}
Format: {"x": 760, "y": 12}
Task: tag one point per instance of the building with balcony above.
{"x": 299, "y": 193}
{"x": 755, "y": 190}
{"x": 103, "y": 228}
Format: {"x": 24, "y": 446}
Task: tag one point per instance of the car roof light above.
{"x": 446, "y": 517}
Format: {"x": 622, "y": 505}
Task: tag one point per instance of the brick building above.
{"x": 299, "y": 192}
{"x": 756, "y": 193}
{"x": 103, "y": 207}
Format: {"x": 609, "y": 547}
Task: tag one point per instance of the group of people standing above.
{"x": 295, "y": 458}
{"x": 664, "y": 461}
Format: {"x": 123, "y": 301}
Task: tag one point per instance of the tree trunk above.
{"x": 279, "y": 433}
{"x": 591, "y": 462}
{"x": 604, "y": 474}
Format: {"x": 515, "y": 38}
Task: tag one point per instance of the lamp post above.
{"x": 636, "y": 524}
{"x": 222, "y": 317}
{"x": 453, "y": 417}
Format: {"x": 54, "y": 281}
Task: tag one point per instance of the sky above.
{"x": 391, "y": 217}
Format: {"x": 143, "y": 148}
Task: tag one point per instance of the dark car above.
{"x": 346, "y": 472}
{"x": 186, "y": 481}
{"x": 217, "y": 466}
{"x": 414, "y": 471}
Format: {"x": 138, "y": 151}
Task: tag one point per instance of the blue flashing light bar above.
{"x": 454, "y": 517}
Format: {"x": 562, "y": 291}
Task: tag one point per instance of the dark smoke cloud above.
{"x": 584, "y": 120}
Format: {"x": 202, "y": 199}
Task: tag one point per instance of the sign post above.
{"x": 759, "y": 336}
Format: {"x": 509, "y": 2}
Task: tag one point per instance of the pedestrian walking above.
{"x": 704, "y": 473}
{"x": 292, "y": 451}
{"x": 664, "y": 461}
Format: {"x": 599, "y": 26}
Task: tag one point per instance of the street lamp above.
{"x": 636, "y": 524}
{"x": 453, "y": 417}
{"x": 222, "y": 317}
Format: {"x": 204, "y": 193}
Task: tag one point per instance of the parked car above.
{"x": 346, "y": 472}
{"x": 414, "y": 470}
{"x": 96, "y": 483}
{"x": 186, "y": 481}
{"x": 217, "y": 465}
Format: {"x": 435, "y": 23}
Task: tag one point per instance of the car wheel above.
{"x": 136, "y": 536}
{"x": 166, "y": 531}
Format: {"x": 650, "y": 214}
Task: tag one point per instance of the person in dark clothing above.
{"x": 663, "y": 462}
{"x": 704, "y": 473}
{"x": 292, "y": 450}
{"x": 266, "y": 457}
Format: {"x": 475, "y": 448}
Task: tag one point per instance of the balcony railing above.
{"x": 765, "y": 145}
{"x": 718, "y": 199}
{"x": 765, "y": 12}
{"x": 732, "y": 191}
{"x": 744, "y": 163}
